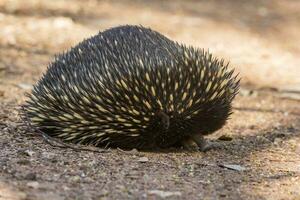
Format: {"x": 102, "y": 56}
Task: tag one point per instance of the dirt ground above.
{"x": 260, "y": 39}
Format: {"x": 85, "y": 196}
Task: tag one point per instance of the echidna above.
{"x": 131, "y": 87}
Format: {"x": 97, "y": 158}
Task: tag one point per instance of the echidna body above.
{"x": 131, "y": 87}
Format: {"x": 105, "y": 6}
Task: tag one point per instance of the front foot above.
{"x": 190, "y": 145}
{"x": 203, "y": 144}
{"x": 209, "y": 146}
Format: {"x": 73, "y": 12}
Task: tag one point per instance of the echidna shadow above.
{"x": 131, "y": 87}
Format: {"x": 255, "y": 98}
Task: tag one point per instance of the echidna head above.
{"x": 170, "y": 127}
{"x": 193, "y": 96}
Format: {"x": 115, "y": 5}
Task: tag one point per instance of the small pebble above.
{"x": 225, "y": 138}
{"x": 164, "y": 194}
{"x": 233, "y": 167}
{"x": 33, "y": 184}
{"x": 143, "y": 159}
{"x": 30, "y": 176}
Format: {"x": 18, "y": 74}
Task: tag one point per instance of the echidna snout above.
{"x": 131, "y": 87}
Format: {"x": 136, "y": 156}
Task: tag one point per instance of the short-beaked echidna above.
{"x": 131, "y": 87}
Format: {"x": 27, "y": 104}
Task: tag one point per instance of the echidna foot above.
{"x": 190, "y": 145}
{"x": 203, "y": 144}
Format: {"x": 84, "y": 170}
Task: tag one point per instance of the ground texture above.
{"x": 259, "y": 160}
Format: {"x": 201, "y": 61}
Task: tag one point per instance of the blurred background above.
{"x": 260, "y": 37}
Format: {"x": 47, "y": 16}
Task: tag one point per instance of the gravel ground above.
{"x": 261, "y": 159}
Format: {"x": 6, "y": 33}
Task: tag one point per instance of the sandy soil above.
{"x": 260, "y": 38}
